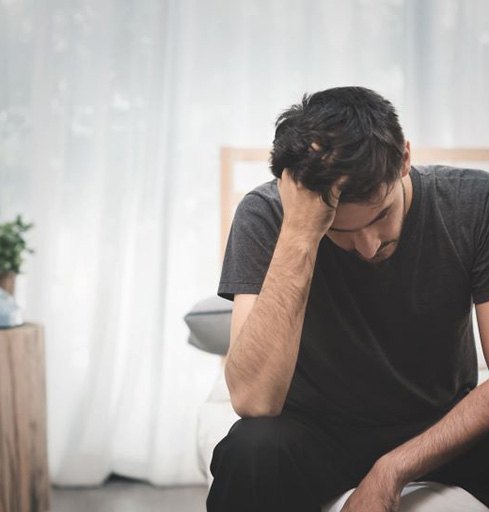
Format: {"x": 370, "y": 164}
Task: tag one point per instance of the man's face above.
{"x": 371, "y": 230}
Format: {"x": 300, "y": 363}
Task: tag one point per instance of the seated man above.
{"x": 352, "y": 360}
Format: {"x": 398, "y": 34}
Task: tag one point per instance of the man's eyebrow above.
{"x": 381, "y": 213}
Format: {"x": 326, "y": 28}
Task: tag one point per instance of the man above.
{"x": 352, "y": 359}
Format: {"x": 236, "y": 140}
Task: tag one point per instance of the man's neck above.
{"x": 408, "y": 187}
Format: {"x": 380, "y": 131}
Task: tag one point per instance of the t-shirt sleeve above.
{"x": 480, "y": 267}
{"x": 251, "y": 242}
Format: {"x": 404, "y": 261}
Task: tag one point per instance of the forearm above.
{"x": 457, "y": 431}
{"x": 261, "y": 362}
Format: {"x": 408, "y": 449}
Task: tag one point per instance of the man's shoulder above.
{"x": 448, "y": 174}
{"x": 454, "y": 182}
{"x": 267, "y": 191}
{"x": 264, "y": 198}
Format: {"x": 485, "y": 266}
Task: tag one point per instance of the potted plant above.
{"x": 13, "y": 246}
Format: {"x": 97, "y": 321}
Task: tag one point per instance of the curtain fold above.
{"x": 112, "y": 114}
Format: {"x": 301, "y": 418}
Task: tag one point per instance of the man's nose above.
{"x": 367, "y": 244}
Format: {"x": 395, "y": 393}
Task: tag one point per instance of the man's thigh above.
{"x": 285, "y": 458}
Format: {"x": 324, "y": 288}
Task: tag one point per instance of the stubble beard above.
{"x": 386, "y": 249}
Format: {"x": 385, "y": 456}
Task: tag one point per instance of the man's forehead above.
{"x": 356, "y": 216}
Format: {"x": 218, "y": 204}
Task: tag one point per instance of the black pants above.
{"x": 288, "y": 464}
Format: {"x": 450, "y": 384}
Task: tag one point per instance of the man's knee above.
{"x": 249, "y": 465}
{"x": 254, "y": 443}
{"x": 266, "y": 463}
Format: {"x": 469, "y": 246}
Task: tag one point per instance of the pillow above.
{"x": 209, "y": 322}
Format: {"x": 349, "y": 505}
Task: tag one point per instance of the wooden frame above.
{"x": 230, "y": 156}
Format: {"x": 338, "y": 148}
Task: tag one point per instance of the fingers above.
{"x": 336, "y": 190}
{"x": 286, "y": 175}
{"x": 286, "y": 179}
{"x": 334, "y": 193}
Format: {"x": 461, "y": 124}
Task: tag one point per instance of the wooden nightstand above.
{"x": 24, "y": 477}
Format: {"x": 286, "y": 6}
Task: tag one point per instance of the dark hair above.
{"x": 357, "y": 134}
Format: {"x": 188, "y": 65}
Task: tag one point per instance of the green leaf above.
{"x": 13, "y": 245}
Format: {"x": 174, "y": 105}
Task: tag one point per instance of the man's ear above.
{"x": 406, "y": 161}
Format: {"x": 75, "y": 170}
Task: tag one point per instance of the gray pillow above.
{"x": 209, "y": 322}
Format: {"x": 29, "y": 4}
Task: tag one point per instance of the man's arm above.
{"x": 266, "y": 329}
{"x": 457, "y": 431}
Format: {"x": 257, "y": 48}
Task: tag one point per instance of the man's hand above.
{"x": 305, "y": 212}
{"x": 377, "y": 492}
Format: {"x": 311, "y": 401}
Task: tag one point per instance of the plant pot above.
{"x": 7, "y": 282}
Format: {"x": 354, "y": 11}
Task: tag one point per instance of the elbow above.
{"x": 249, "y": 407}
{"x": 247, "y": 403}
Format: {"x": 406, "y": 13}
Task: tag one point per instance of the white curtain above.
{"x": 112, "y": 113}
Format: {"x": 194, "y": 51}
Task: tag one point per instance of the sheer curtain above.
{"x": 111, "y": 118}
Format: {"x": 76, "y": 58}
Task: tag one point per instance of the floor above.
{"x": 125, "y": 495}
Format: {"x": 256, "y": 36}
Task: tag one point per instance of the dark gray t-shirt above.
{"x": 384, "y": 344}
